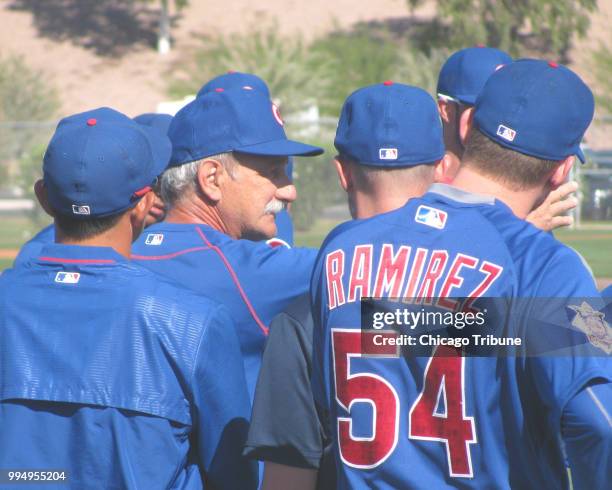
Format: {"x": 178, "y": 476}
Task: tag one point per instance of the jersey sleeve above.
{"x": 566, "y": 288}
{"x": 222, "y": 407}
{"x": 285, "y": 427}
{"x": 586, "y": 429}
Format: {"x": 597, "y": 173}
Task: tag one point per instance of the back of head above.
{"x": 464, "y": 74}
{"x": 97, "y": 166}
{"x": 530, "y": 116}
{"x": 389, "y": 129}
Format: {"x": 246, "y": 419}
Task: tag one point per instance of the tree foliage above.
{"x": 602, "y": 67}
{"x": 354, "y": 60}
{"x": 507, "y": 24}
{"x": 25, "y": 98}
{"x": 293, "y": 73}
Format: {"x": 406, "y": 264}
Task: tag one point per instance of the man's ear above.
{"x": 466, "y": 122}
{"x": 139, "y": 212}
{"x": 447, "y": 110}
{"x": 211, "y": 176}
{"x": 446, "y": 169}
{"x": 41, "y": 194}
{"x": 560, "y": 173}
{"x": 344, "y": 174}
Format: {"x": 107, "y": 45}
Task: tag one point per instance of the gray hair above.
{"x": 180, "y": 181}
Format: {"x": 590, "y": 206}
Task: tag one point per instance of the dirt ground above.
{"x": 95, "y": 61}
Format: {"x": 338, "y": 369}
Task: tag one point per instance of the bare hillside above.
{"x": 100, "y": 53}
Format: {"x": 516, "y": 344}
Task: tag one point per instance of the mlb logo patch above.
{"x": 154, "y": 239}
{"x": 433, "y": 217}
{"x": 505, "y": 132}
{"x": 67, "y": 277}
{"x": 387, "y": 153}
{"x": 80, "y": 209}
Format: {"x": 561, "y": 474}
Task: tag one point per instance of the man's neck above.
{"x": 118, "y": 238}
{"x": 195, "y": 211}
{"x": 520, "y": 202}
{"x": 384, "y": 201}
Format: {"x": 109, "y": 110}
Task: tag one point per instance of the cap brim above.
{"x": 580, "y": 155}
{"x": 281, "y": 148}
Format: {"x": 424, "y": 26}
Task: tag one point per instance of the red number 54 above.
{"x": 443, "y": 385}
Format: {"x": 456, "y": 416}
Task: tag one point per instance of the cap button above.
{"x": 219, "y": 89}
{"x": 387, "y": 82}
{"x": 92, "y": 122}
{"x": 552, "y": 64}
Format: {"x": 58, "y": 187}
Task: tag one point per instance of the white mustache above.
{"x": 275, "y": 206}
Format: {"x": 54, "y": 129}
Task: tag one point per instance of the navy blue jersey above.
{"x": 118, "y": 377}
{"x": 253, "y": 280}
{"x": 444, "y": 421}
{"x": 285, "y": 425}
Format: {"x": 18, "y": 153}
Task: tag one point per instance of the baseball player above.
{"x": 235, "y": 79}
{"x": 225, "y": 184}
{"x": 402, "y": 421}
{"x": 112, "y": 377}
{"x": 460, "y": 80}
{"x": 32, "y": 248}
{"x": 293, "y": 451}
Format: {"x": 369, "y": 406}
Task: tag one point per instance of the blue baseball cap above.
{"x": 240, "y": 120}
{"x": 390, "y": 125}
{"x": 100, "y": 162}
{"x": 156, "y": 120}
{"x": 537, "y": 108}
{"x": 235, "y": 79}
{"x": 465, "y": 72}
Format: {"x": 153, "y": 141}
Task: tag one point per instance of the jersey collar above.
{"x": 77, "y": 254}
{"x": 459, "y": 195}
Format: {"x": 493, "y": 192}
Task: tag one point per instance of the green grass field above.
{"x": 593, "y": 241}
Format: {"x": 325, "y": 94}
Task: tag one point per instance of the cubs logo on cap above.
{"x": 276, "y": 114}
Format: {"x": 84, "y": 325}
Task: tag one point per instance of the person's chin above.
{"x": 264, "y": 232}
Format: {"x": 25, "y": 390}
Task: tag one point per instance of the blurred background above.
{"x": 59, "y": 57}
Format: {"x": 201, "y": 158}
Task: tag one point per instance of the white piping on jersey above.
{"x": 460, "y": 195}
{"x": 600, "y": 406}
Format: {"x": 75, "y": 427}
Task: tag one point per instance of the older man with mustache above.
{"x": 224, "y": 185}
